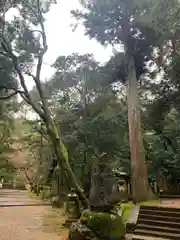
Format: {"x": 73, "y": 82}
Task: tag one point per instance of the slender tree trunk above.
{"x": 140, "y": 185}
{"x": 62, "y": 159}
{"x": 84, "y": 100}
{"x": 59, "y": 148}
{"x": 32, "y": 184}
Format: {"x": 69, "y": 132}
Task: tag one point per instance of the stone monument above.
{"x": 104, "y": 193}
{"x": 101, "y": 221}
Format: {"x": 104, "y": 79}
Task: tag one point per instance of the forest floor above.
{"x": 25, "y": 218}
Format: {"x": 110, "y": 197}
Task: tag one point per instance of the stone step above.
{"x": 136, "y": 237}
{"x": 130, "y": 228}
{"x": 157, "y": 208}
{"x": 159, "y": 223}
{"x": 171, "y": 196}
{"x": 170, "y": 236}
{"x": 158, "y": 228}
{"x": 171, "y": 218}
{"x": 148, "y": 212}
{"x": 155, "y": 222}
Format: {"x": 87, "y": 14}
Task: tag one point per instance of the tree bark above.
{"x": 140, "y": 186}
{"x": 62, "y": 159}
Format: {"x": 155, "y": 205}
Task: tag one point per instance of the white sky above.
{"x": 63, "y": 41}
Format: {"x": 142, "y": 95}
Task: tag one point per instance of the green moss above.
{"x": 149, "y": 203}
{"x": 104, "y": 224}
{"x": 126, "y": 207}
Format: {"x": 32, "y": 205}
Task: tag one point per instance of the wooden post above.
{"x": 129, "y": 188}
{"x": 155, "y": 187}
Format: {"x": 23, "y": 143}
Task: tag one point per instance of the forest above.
{"x": 127, "y": 107}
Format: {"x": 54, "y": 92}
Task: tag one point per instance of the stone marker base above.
{"x": 132, "y": 221}
{"x": 106, "y": 226}
{"x": 79, "y": 231}
{"x": 70, "y": 221}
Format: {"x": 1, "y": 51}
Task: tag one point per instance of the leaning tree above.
{"x": 23, "y": 44}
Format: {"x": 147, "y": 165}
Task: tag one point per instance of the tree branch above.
{"x": 36, "y": 78}
{"x": 43, "y": 111}
{"x": 4, "y": 54}
{"x": 45, "y": 47}
{"x": 25, "y": 95}
{"x": 8, "y": 97}
{"x": 36, "y": 30}
{"x": 15, "y": 92}
{"x": 31, "y": 75}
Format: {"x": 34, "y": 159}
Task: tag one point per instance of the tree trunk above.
{"x": 62, "y": 158}
{"x": 29, "y": 180}
{"x": 140, "y": 186}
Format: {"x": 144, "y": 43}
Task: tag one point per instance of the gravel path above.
{"x": 23, "y": 222}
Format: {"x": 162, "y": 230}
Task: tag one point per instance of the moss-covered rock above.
{"x": 105, "y": 225}
{"x": 126, "y": 207}
{"x": 79, "y": 231}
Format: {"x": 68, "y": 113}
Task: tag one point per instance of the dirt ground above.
{"x": 26, "y": 222}
{"x": 36, "y": 222}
